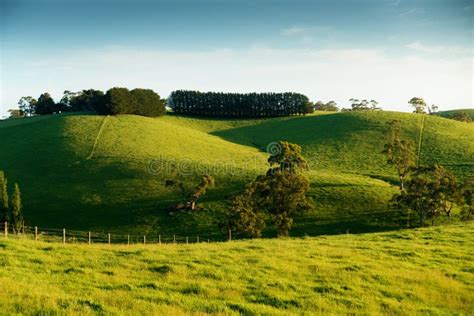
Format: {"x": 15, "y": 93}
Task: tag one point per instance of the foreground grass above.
{"x": 423, "y": 271}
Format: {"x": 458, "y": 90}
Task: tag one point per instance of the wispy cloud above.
{"x": 412, "y": 12}
{"x": 294, "y": 30}
{"x": 420, "y": 47}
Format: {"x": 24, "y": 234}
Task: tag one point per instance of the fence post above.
{"x": 64, "y": 235}
{"x": 108, "y": 235}
{"x": 159, "y": 239}
{"x": 128, "y": 239}
{"x": 187, "y": 240}
{"x": 89, "y": 237}
{"x": 174, "y": 239}
{"x": 197, "y": 239}
{"x": 6, "y": 229}
{"x": 230, "y": 235}
{"x": 36, "y": 232}
{"x": 144, "y": 239}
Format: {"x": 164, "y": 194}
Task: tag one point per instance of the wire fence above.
{"x": 67, "y": 236}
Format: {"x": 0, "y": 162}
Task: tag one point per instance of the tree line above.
{"x": 11, "y": 211}
{"x": 138, "y": 101}
{"x": 221, "y": 104}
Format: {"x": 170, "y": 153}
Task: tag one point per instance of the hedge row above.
{"x": 237, "y": 104}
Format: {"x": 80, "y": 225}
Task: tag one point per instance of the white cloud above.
{"x": 420, "y": 47}
{"x": 321, "y": 74}
{"x": 294, "y": 30}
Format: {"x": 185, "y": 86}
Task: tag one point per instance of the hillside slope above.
{"x": 107, "y": 173}
{"x": 410, "y": 272}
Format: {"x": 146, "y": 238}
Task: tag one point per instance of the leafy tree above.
{"x": 45, "y": 105}
{"x": 400, "y": 152}
{"x": 461, "y": 116}
{"x": 15, "y": 216}
{"x": 3, "y": 197}
{"x": 280, "y": 193}
{"x": 149, "y": 103}
{"x": 27, "y": 105}
{"x": 364, "y": 105}
{"x": 86, "y": 100}
{"x": 418, "y": 104}
{"x": 16, "y": 113}
{"x": 329, "y": 106}
{"x": 433, "y": 109}
{"x": 190, "y": 196}
{"x": 429, "y": 191}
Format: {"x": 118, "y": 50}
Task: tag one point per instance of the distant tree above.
{"x": 400, "y": 152}
{"x": 418, "y": 104}
{"x": 27, "y": 105}
{"x": 45, "y": 105}
{"x": 280, "y": 193}
{"x": 433, "y": 109}
{"x": 461, "y": 116}
{"x": 148, "y": 103}
{"x": 329, "y": 106}
{"x": 118, "y": 101}
{"x": 15, "y": 215}
{"x": 364, "y": 105}
{"x": 3, "y": 197}
{"x": 16, "y": 113}
{"x": 86, "y": 101}
{"x": 190, "y": 196}
{"x": 428, "y": 193}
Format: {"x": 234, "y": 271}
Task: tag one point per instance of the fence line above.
{"x": 66, "y": 236}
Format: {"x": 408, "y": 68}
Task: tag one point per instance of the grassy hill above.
{"x": 107, "y": 173}
{"x": 451, "y": 112}
{"x": 422, "y": 271}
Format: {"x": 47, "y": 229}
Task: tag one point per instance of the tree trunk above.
{"x": 422, "y": 220}
{"x": 401, "y": 183}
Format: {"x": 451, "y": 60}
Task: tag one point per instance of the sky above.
{"x": 387, "y": 50}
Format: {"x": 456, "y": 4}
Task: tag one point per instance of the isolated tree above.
{"x": 418, "y": 104}
{"x": 45, "y": 105}
{"x": 190, "y": 196}
{"x": 15, "y": 215}
{"x": 433, "y": 109}
{"x": 364, "y": 105}
{"x": 400, "y": 152}
{"x": 461, "y": 117}
{"x": 427, "y": 193}
{"x": 3, "y": 197}
{"x": 280, "y": 193}
{"x": 243, "y": 217}
{"x": 27, "y": 105}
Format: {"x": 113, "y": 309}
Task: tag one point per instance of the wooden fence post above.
{"x": 187, "y": 240}
{"x": 197, "y": 239}
{"x": 159, "y": 239}
{"x": 108, "y": 235}
{"x": 89, "y": 237}
{"x": 230, "y": 235}
{"x": 64, "y": 235}
{"x": 128, "y": 239}
{"x": 6, "y": 229}
{"x": 144, "y": 239}
{"x": 36, "y": 232}
{"x": 174, "y": 239}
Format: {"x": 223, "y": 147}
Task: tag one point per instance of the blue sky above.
{"x": 388, "y": 50}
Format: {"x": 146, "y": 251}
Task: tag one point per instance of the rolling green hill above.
{"x": 107, "y": 173}
{"x": 451, "y": 112}
{"x": 410, "y": 272}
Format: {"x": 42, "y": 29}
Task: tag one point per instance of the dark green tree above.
{"x": 467, "y": 212}
{"x": 400, "y": 152}
{"x": 429, "y": 191}
{"x": 27, "y": 105}
{"x": 118, "y": 101}
{"x": 3, "y": 197}
{"x": 45, "y": 105}
{"x": 418, "y": 104}
{"x": 280, "y": 193}
{"x": 461, "y": 117}
{"x": 329, "y": 106}
{"x": 148, "y": 103}
{"x": 190, "y": 196}
{"x": 15, "y": 215}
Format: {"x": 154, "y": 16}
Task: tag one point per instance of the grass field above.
{"x": 107, "y": 173}
{"x": 423, "y": 271}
